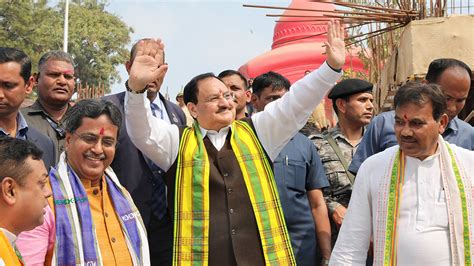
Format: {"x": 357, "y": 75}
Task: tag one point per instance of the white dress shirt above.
{"x": 274, "y": 126}
{"x": 423, "y": 232}
{"x": 217, "y": 138}
{"x": 161, "y": 108}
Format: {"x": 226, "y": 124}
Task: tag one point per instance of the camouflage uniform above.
{"x": 340, "y": 188}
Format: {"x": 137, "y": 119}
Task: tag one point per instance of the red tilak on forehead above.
{"x": 405, "y": 117}
{"x": 101, "y": 132}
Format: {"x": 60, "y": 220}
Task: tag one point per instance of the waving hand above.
{"x": 148, "y": 64}
{"x": 335, "y": 46}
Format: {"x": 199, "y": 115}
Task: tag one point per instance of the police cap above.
{"x": 180, "y": 94}
{"x": 348, "y": 87}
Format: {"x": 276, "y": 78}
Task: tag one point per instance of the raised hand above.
{"x": 335, "y": 46}
{"x": 148, "y": 64}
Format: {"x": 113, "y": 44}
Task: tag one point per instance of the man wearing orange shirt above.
{"x": 23, "y": 193}
{"x": 95, "y": 219}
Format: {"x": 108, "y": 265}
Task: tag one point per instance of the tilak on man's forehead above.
{"x": 101, "y": 132}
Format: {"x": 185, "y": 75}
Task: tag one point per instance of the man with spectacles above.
{"x": 55, "y": 84}
{"x": 219, "y": 174}
{"x": 94, "y": 220}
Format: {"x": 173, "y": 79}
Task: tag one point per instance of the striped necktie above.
{"x": 158, "y": 202}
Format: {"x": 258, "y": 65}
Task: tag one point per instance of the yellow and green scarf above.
{"x": 9, "y": 254}
{"x": 191, "y": 215}
{"x": 458, "y": 194}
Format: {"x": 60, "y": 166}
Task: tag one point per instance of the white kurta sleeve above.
{"x": 354, "y": 237}
{"x": 282, "y": 118}
{"x": 155, "y": 138}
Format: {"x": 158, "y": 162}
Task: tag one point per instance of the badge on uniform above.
{"x": 175, "y": 119}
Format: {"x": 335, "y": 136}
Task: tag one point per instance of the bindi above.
{"x": 101, "y": 132}
{"x": 68, "y": 72}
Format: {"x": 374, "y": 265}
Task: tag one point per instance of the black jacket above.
{"x": 45, "y": 144}
{"x": 129, "y": 163}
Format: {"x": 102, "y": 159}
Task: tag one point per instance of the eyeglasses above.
{"x": 91, "y": 139}
{"x": 215, "y": 98}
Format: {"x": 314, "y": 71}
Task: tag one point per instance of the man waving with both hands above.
{"x": 220, "y": 181}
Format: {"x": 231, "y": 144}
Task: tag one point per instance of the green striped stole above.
{"x": 191, "y": 214}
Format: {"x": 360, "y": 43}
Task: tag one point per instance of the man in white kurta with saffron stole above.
{"x": 220, "y": 183}
{"x": 414, "y": 199}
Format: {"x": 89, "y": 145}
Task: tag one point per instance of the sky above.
{"x": 199, "y": 36}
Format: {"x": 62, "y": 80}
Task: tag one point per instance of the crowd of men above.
{"x": 134, "y": 179}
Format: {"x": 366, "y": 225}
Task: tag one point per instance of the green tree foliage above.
{"x": 97, "y": 39}
{"x": 28, "y": 26}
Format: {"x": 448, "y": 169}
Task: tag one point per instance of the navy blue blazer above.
{"x": 45, "y": 144}
{"x": 129, "y": 163}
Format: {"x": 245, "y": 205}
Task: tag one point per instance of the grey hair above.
{"x": 55, "y": 55}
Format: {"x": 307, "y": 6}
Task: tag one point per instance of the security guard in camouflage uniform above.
{"x": 352, "y": 102}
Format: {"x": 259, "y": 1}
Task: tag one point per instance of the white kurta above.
{"x": 274, "y": 126}
{"x": 423, "y": 232}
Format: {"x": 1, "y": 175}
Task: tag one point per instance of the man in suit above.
{"x": 15, "y": 84}
{"x": 142, "y": 178}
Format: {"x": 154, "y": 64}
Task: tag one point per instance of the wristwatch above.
{"x": 325, "y": 262}
{"x": 132, "y": 91}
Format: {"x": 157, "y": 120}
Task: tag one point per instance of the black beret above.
{"x": 348, "y": 87}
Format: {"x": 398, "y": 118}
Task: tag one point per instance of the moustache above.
{"x": 95, "y": 156}
{"x": 407, "y": 139}
{"x": 223, "y": 109}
